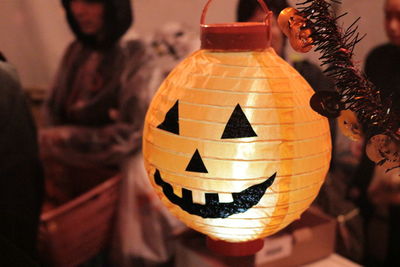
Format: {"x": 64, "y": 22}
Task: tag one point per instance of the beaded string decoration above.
{"x": 357, "y": 102}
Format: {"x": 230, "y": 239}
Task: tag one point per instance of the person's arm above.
{"x": 110, "y": 144}
{"x": 50, "y": 113}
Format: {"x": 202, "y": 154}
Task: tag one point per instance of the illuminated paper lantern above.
{"x": 230, "y": 142}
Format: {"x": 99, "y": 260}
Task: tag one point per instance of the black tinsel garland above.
{"x": 336, "y": 46}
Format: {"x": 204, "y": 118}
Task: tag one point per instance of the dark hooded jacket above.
{"x": 21, "y": 178}
{"x": 99, "y": 122}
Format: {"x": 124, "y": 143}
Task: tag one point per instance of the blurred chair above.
{"x": 79, "y": 229}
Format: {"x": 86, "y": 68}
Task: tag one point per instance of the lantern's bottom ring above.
{"x": 242, "y": 201}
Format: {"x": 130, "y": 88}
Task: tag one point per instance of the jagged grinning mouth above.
{"x": 242, "y": 201}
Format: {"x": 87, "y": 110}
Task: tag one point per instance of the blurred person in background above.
{"x": 95, "y": 115}
{"x": 21, "y": 177}
{"x": 378, "y": 191}
{"x": 95, "y": 111}
{"x": 250, "y": 11}
{"x": 171, "y": 43}
{"x": 332, "y": 198}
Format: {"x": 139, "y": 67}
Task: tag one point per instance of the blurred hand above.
{"x": 113, "y": 114}
{"x": 53, "y": 136}
{"x": 385, "y": 186}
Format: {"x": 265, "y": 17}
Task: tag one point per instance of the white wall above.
{"x": 150, "y": 14}
{"x": 372, "y": 19}
{"x": 33, "y": 33}
{"x": 371, "y": 23}
{"x": 32, "y": 36}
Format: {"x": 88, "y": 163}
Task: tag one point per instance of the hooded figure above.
{"x": 95, "y": 115}
{"x": 117, "y": 19}
{"x": 96, "y": 108}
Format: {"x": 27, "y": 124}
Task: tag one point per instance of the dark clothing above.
{"x": 100, "y": 95}
{"x": 21, "y": 180}
{"x": 96, "y": 108}
{"x": 332, "y": 197}
{"x": 93, "y": 135}
{"x": 382, "y": 68}
{"x": 314, "y": 76}
{"x": 75, "y": 103}
{"x": 247, "y": 8}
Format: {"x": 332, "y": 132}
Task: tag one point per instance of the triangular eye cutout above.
{"x": 196, "y": 164}
{"x": 171, "y": 121}
{"x": 238, "y": 125}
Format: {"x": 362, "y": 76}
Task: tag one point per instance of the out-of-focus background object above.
{"x": 33, "y": 33}
{"x": 62, "y": 243}
{"x": 291, "y": 247}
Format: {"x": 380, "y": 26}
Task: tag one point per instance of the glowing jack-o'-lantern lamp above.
{"x": 230, "y": 143}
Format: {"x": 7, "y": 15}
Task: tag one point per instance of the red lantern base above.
{"x": 235, "y": 249}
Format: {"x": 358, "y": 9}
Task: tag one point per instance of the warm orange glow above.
{"x": 292, "y": 140}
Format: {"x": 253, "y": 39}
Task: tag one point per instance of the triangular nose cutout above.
{"x": 238, "y": 125}
{"x": 196, "y": 164}
{"x": 171, "y": 121}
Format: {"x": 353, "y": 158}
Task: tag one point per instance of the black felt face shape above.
{"x": 237, "y": 126}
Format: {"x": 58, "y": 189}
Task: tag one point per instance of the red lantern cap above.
{"x": 235, "y": 249}
{"x": 239, "y": 36}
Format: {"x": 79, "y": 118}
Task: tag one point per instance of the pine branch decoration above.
{"x": 336, "y": 46}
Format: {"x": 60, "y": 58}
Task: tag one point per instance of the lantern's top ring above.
{"x": 243, "y": 36}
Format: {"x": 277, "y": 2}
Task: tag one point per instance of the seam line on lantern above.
{"x": 265, "y": 58}
{"x": 267, "y": 93}
{"x": 216, "y": 57}
{"x": 289, "y": 109}
{"x": 258, "y": 179}
{"x": 213, "y": 73}
{"x": 258, "y": 124}
{"x": 310, "y": 186}
{"x": 222, "y": 65}
{"x": 278, "y": 206}
{"x": 259, "y": 142}
{"x": 254, "y": 124}
{"x": 153, "y": 127}
{"x": 243, "y": 106}
{"x": 166, "y": 97}
{"x": 257, "y": 66}
{"x": 189, "y": 155}
{"x": 261, "y": 218}
{"x": 290, "y": 92}
{"x": 274, "y": 192}
{"x": 230, "y": 192}
{"x": 242, "y": 77}
{"x": 237, "y": 53}
{"x": 249, "y": 229}
{"x": 253, "y": 219}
